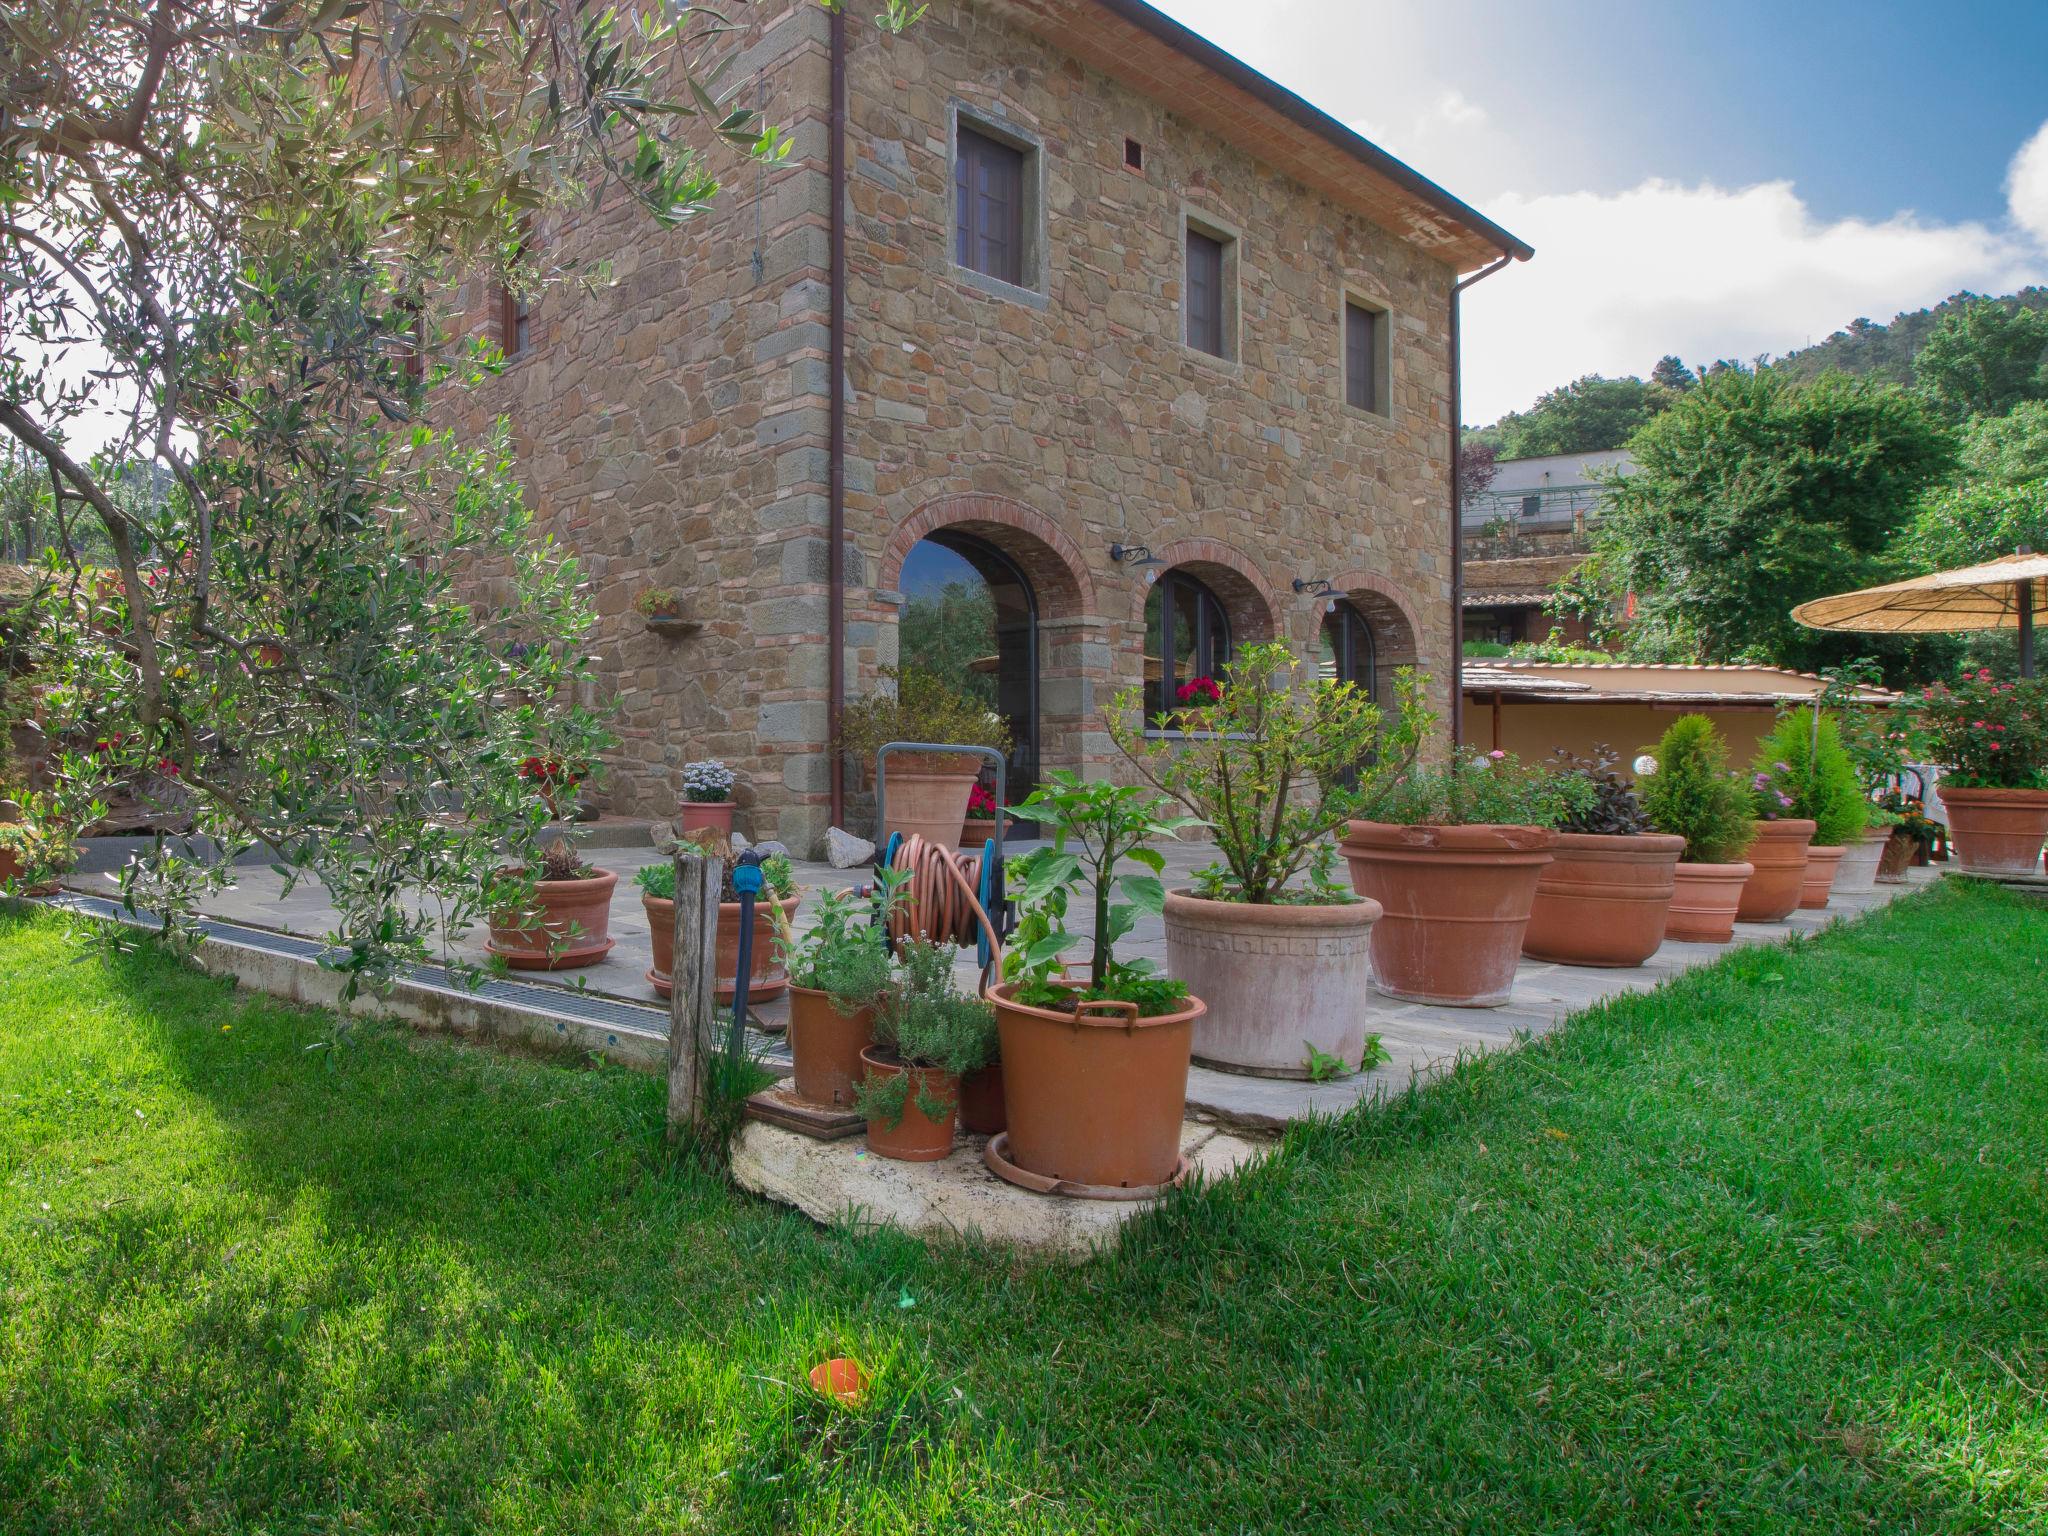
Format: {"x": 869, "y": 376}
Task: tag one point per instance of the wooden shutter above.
{"x": 1205, "y": 292}
{"x": 1361, "y": 357}
{"x": 988, "y": 188}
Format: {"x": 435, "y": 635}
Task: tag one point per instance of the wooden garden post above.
{"x": 692, "y": 1006}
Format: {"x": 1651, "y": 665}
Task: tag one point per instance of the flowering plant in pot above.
{"x": 1689, "y": 791}
{"x": 1777, "y": 853}
{"x": 982, "y": 812}
{"x": 553, "y": 913}
{"x": 766, "y": 978}
{"x": 1803, "y": 767}
{"x": 839, "y": 972}
{"x": 1605, "y": 897}
{"x": 707, "y": 796}
{"x": 1876, "y": 745}
{"x": 926, "y": 793}
{"x": 1095, "y": 1064}
{"x": 553, "y": 779}
{"x": 1452, "y": 853}
{"x": 1277, "y": 949}
{"x": 929, "y": 1034}
{"x": 1991, "y": 739}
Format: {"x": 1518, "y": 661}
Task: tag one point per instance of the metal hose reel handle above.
{"x": 747, "y": 883}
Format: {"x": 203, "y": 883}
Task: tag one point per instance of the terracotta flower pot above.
{"x": 1857, "y": 873}
{"x": 697, "y": 815}
{"x": 1997, "y": 831}
{"x": 1279, "y": 981}
{"x": 1603, "y": 899}
{"x": 977, "y": 830}
{"x": 982, "y": 1107}
{"x": 569, "y": 927}
{"x": 1778, "y": 855}
{"x": 1900, "y": 850}
{"x": 1703, "y": 902}
{"x": 1457, "y": 903}
{"x": 927, "y": 795}
{"x": 917, "y": 1137}
{"x": 766, "y": 977}
{"x": 825, "y": 1046}
{"x": 1819, "y": 883}
{"x": 1095, "y": 1098}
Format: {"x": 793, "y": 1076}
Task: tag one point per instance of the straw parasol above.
{"x": 1996, "y": 595}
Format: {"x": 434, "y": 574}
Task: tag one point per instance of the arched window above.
{"x": 1187, "y": 635}
{"x": 970, "y": 619}
{"x": 1346, "y": 650}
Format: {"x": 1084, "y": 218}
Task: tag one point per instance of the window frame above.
{"x": 1212, "y": 637}
{"x": 1196, "y": 222}
{"x": 1382, "y": 361}
{"x": 986, "y": 124}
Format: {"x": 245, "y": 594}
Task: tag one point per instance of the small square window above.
{"x": 989, "y": 206}
{"x": 1134, "y": 155}
{"x": 1365, "y": 358}
{"x": 1209, "y": 310}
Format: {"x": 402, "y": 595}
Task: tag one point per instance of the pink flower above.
{"x": 1496, "y": 754}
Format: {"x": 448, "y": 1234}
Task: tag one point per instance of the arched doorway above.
{"x": 971, "y": 619}
{"x": 1187, "y": 635}
{"x": 1345, "y": 649}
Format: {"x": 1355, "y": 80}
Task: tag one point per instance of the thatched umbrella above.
{"x": 1996, "y": 595}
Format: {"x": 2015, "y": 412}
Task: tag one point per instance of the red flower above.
{"x": 1198, "y": 690}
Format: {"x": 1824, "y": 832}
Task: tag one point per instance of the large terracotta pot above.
{"x": 1778, "y": 857}
{"x": 1456, "y": 901}
{"x": 1095, "y": 1097}
{"x": 1703, "y": 902}
{"x": 983, "y": 1109}
{"x": 917, "y": 1137}
{"x": 1997, "y": 831}
{"x": 1821, "y": 863}
{"x": 825, "y": 1046}
{"x": 1279, "y": 981}
{"x": 697, "y": 815}
{"x": 573, "y": 926}
{"x": 1856, "y": 875}
{"x": 1603, "y": 899}
{"x": 766, "y": 977}
{"x": 927, "y": 795}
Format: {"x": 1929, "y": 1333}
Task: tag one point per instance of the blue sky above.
{"x": 1716, "y": 180}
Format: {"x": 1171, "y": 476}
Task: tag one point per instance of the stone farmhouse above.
{"x": 1083, "y": 354}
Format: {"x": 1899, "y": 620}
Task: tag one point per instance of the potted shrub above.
{"x": 1688, "y": 791}
{"x": 1283, "y": 964}
{"x": 1913, "y": 834}
{"x": 929, "y": 1034}
{"x": 1095, "y": 1065}
{"x": 926, "y": 793}
{"x": 554, "y": 780}
{"x": 838, "y": 974}
{"x": 1804, "y": 759}
{"x": 765, "y": 976}
{"x": 1777, "y": 853}
{"x": 1453, "y": 853}
{"x": 659, "y": 606}
{"x": 553, "y": 918}
{"x": 1991, "y": 740}
{"x": 1605, "y": 896}
{"x": 707, "y": 797}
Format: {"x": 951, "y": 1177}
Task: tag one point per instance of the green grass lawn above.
{"x": 1763, "y": 1252}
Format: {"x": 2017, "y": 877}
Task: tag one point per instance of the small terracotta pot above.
{"x": 573, "y": 927}
{"x": 1857, "y": 873}
{"x": 917, "y": 1137}
{"x": 982, "y": 1107}
{"x": 1457, "y": 903}
{"x": 977, "y": 830}
{"x": 1997, "y": 831}
{"x": 927, "y": 795}
{"x": 697, "y": 815}
{"x": 10, "y": 865}
{"x": 1821, "y": 864}
{"x": 1900, "y": 850}
{"x": 1095, "y": 1097}
{"x": 1603, "y": 899}
{"x": 766, "y": 977}
{"x": 1778, "y": 856}
{"x": 825, "y": 1046}
{"x": 1279, "y": 981}
{"x": 1703, "y": 902}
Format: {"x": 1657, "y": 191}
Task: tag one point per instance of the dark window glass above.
{"x": 1134, "y": 154}
{"x": 1205, "y": 293}
{"x": 969, "y": 619}
{"x": 1187, "y": 636}
{"x": 1361, "y": 357}
{"x": 988, "y": 189}
{"x": 1346, "y": 650}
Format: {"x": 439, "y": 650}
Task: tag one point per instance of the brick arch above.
{"x": 1396, "y": 630}
{"x": 1238, "y": 584}
{"x": 1051, "y": 560}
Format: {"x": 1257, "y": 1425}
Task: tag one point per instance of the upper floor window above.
{"x": 515, "y": 310}
{"x": 1362, "y": 337}
{"x": 989, "y": 206}
{"x": 1211, "y": 292}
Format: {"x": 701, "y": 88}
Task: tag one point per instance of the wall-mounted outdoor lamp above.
{"x": 1139, "y": 555}
{"x": 1319, "y": 586}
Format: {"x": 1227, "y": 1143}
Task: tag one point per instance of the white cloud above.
{"x": 1707, "y": 272}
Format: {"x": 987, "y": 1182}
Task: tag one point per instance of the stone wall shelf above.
{"x": 673, "y": 628}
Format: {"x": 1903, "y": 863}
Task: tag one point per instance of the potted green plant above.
{"x": 765, "y": 976}
{"x": 1991, "y": 740}
{"x": 1272, "y": 764}
{"x": 1095, "y": 1065}
{"x": 1876, "y": 746}
{"x": 839, "y": 973}
{"x": 1688, "y": 791}
{"x": 929, "y": 1034}
{"x": 555, "y": 915}
{"x": 1605, "y": 896}
{"x": 1778, "y": 852}
{"x": 925, "y": 793}
{"x": 1804, "y": 758}
{"x": 707, "y": 797}
{"x": 1453, "y": 853}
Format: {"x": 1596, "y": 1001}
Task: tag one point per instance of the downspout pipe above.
{"x": 835, "y": 512}
{"x": 1457, "y": 506}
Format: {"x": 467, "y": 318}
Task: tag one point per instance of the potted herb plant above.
{"x": 1991, "y": 740}
{"x": 707, "y": 797}
{"x": 1453, "y": 854}
{"x": 1605, "y": 896}
{"x": 1807, "y": 762}
{"x": 765, "y": 976}
{"x": 1095, "y": 1065}
{"x": 839, "y": 973}
{"x": 1275, "y": 765}
{"x": 929, "y": 1034}
{"x": 926, "y": 792}
{"x": 555, "y": 916}
{"x": 1689, "y": 791}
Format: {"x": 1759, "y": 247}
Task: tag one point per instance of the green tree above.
{"x": 1984, "y": 357}
{"x": 1998, "y": 501}
{"x": 1672, "y": 374}
{"x": 1588, "y": 415}
{"x": 1752, "y": 494}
